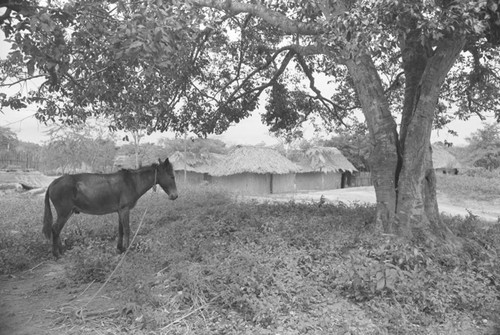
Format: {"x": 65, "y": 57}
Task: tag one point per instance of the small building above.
{"x": 321, "y": 168}
{"x": 443, "y": 161}
{"x": 255, "y": 170}
{"x": 193, "y": 168}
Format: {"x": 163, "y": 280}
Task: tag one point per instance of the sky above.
{"x": 250, "y": 131}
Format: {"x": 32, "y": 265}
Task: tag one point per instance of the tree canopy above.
{"x": 8, "y": 139}
{"x": 198, "y": 65}
{"x": 72, "y": 148}
{"x": 484, "y": 147}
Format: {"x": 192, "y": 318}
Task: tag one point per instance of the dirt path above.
{"x": 39, "y": 300}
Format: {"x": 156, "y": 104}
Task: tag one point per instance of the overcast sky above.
{"x": 249, "y": 131}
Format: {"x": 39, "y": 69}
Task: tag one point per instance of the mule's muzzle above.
{"x": 173, "y": 196}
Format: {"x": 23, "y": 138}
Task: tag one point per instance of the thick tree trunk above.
{"x": 384, "y": 138}
{"x": 417, "y": 214}
{"x": 403, "y": 175}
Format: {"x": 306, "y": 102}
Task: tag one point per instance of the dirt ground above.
{"x": 39, "y": 301}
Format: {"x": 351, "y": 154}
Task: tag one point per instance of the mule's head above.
{"x": 166, "y": 178}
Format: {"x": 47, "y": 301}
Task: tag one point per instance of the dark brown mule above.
{"x": 103, "y": 194}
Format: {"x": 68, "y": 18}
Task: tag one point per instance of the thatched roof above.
{"x": 254, "y": 160}
{"x": 201, "y": 163}
{"x": 443, "y": 159}
{"x": 321, "y": 159}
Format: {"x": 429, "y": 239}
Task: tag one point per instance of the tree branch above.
{"x": 288, "y": 58}
{"x": 326, "y": 102}
{"x": 21, "y": 80}
{"x": 395, "y": 83}
{"x": 272, "y": 17}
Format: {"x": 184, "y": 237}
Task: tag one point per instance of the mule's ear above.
{"x": 159, "y": 161}
{"x": 166, "y": 160}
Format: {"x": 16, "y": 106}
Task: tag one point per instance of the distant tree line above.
{"x": 17, "y": 154}
{"x": 86, "y": 148}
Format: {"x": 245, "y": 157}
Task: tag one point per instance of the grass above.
{"x": 476, "y": 185}
{"x": 207, "y": 264}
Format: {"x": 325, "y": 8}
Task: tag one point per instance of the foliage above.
{"x": 480, "y": 173}
{"x": 21, "y": 245}
{"x": 354, "y": 144}
{"x": 137, "y": 63}
{"x": 283, "y": 112}
{"x": 8, "y": 139}
{"x": 92, "y": 262}
{"x": 113, "y": 59}
{"x": 484, "y": 147}
{"x": 194, "y": 145}
{"x": 70, "y": 148}
{"x": 247, "y": 267}
{"x": 18, "y": 153}
{"x": 147, "y": 153}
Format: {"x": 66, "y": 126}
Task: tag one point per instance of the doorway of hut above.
{"x": 346, "y": 179}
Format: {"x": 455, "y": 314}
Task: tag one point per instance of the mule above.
{"x": 100, "y": 194}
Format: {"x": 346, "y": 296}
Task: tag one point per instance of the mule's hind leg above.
{"x": 123, "y": 229}
{"x": 62, "y": 218}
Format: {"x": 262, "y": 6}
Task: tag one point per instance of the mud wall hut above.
{"x": 443, "y": 161}
{"x": 321, "y": 168}
{"x": 193, "y": 168}
{"x": 255, "y": 170}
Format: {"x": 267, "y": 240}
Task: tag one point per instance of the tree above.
{"x": 70, "y": 147}
{"x": 144, "y": 153}
{"x": 8, "y": 139}
{"x": 354, "y": 145}
{"x": 201, "y": 65}
{"x": 484, "y": 147}
{"x": 194, "y": 145}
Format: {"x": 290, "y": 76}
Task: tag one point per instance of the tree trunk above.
{"x": 403, "y": 175}
{"x": 417, "y": 214}
{"x": 383, "y": 134}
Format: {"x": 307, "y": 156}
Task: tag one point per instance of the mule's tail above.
{"x": 47, "y": 217}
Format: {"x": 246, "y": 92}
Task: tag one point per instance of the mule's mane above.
{"x": 142, "y": 168}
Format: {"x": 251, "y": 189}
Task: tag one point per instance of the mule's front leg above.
{"x": 123, "y": 229}
{"x": 119, "y": 246}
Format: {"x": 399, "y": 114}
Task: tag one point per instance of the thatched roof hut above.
{"x": 255, "y": 170}
{"x": 443, "y": 159}
{"x": 200, "y": 163}
{"x": 321, "y": 168}
{"x": 258, "y": 160}
{"x": 321, "y": 159}
{"x": 196, "y": 166}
